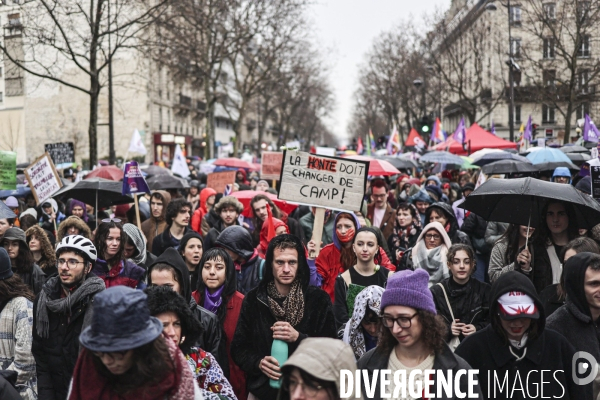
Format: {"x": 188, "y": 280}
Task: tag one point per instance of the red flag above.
{"x": 271, "y": 226}
{"x": 359, "y": 146}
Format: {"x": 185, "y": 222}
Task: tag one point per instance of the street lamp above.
{"x": 491, "y": 6}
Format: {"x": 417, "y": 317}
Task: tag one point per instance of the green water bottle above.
{"x": 279, "y": 351}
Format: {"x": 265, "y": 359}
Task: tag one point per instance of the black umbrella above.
{"x": 551, "y": 166}
{"x": 497, "y": 156}
{"x": 578, "y": 157}
{"x": 163, "y": 182}
{"x": 153, "y": 170}
{"x": 508, "y": 167}
{"x": 400, "y": 163}
{"x": 574, "y": 149}
{"x": 521, "y": 201}
{"x": 95, "y": 191}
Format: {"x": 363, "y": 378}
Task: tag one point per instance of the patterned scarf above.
{"x": 401, "y": 236}
{"x": 292, "y": 310}
{"x": 353, "y": 332}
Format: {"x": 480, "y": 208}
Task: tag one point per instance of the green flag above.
{"x": 8, "y": 170}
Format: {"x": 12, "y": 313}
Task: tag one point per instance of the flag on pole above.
{"x": 460, "y": 134}
{"x": 372, "y": 142}
{"x": 438, "y": 135}
{"x": 180, "y": 166}
{"x": 359, "y": 146}
{"x": 590, "y": 132}
{"x": 136, "y": 145}
{"x": 528, "y": 130}
{"x": 521, "y": 138}
{"x": 493, "y": 129}
{"x": 393, "y": 144}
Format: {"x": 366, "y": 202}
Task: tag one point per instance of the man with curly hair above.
{"x": 179, "y": 214}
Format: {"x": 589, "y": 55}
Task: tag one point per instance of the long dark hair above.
{"x": 433, "y": 334}
{"x": 347, "y": 256}
{"x": 24, "y": 262}
{"x": 101, "y": 236}
{"x": 512, "y": 235}
{"x": 544, "y": 234}
{"x": 14, "y": 287}
{"x": 230, "y": 285}
{"x": 379, "y": 242}
{"x": 151, "y": 362}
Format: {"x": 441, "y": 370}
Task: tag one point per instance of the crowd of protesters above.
{"x": 186, "y": 302}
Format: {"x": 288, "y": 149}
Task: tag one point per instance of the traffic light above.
{"x": 534, "y": 128}
{"x": 425, "y": 126}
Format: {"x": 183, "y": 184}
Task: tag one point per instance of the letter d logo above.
{"x": 588, "y": 367}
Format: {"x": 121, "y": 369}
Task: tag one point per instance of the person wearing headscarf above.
{"x": 50, "y": 215}
{"x": 135, "y": 247}
{"x": 429, "y": 253}
{"x": 79, "y": 209}
{"x": 407, "y": 228}
{"x": 283, "y": 306}
{"x": 279, "y": 228}
{"x": 362, "y": 330}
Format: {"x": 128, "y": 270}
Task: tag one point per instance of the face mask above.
{"x": 347, "y": 237}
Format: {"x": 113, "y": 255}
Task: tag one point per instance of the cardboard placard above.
{"x": 219, "y": 180}
{"x": 61, "y": 152}
{"x": 322, "y": 181}
{"x": 43, "y": 179}
{"x": 8, "y": 170}
{"x": 270, "y": 164}
{"x": 595, "y": 175}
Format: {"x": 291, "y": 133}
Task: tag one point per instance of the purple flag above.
{"x": 133, "y": 181}
{"x": 460, "y": 134}
{"x": 590, "y": 132}
{"x": 493, "y": 129}
{"x": 528, "y": 130}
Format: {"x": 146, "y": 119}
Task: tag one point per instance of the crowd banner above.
{"x": 270, "y": 165}
{"x": 220, "y": 180}
{"x": 8, "y": 170}
{"x": 322, "y": 181}
{"x": 61, "y": 153}
{"x": 43, "y": 179}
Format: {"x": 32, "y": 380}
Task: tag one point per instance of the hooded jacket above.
{"x": 253, "y": 336}
{"x": 48, "y": 261}
{"x": 84, "y": 229}
{"x": 329, "y": 265}
{"x": 264, "y": 233}
{"x": 455, "y": 235}
{"x": 153, "y": 227}
{"x": 210, "y": 339}
{"x": 238, "y": 240}
{"x": 574, "y": 320}
{"x": 490, "y": 352}
{"x": 423, "y": 196}
{"x": 141, "y": 257}
{"x": 202, "y": 210}
{"x": 45, "y": 218}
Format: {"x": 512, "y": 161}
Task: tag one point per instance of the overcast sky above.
{"x": 346, "y": 29}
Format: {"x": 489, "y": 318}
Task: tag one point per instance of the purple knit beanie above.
{"x": 409, "y": 288}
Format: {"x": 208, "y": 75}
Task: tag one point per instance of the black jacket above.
{"x": 56, "y": 355}
{"x": 165, "y": 241}
{"x": 34, "y": 279}
{"x": 210, "y": 340}
{"x": 238, "y": 240}
{"x": 456, "y": 236}
{"x": 376, "y": 360}
{"x": 253, "y": 335}
{"x": 470, "y": 303}
{"x": 475, "y": 226}
{"x": 213, "y": 234}
{"x": 490, "y": 353}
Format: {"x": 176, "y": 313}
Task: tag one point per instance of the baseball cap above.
{"x": 513, "y": 305}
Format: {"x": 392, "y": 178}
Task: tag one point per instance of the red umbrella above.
{"x": 377, "y": 167}
{"x": 108, "y": 172}
{"x": 244, "y": 196}
{"x": 233, "y": 163}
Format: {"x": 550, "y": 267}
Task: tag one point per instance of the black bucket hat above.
{"x": 121, "y": 321}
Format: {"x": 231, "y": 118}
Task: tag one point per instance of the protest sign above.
{"x": 43, "y": 179}
{"x": 61, "y": 153}
{"x": 595, "y": 175}
{"x": 322, "y": 181}
{"x": 270, "y": 165}
{"x": 219, "y": 180}
{"x": 133, "y": 180}
{"x": 8, "y": 170}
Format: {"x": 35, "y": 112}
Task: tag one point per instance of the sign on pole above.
{"x": 270, "y": 164}
{"x": 322, "y": 181}
{"x": 61, "y": 153}
{"x": 8, "y": 170}
{"x": 219, "y": 180}
{"x": 43, "y": 179}
{"x": 133, "y": 180}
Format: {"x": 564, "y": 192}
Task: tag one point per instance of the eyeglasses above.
{"x": 107, "y": 220}
{"x": 403, "y": 322}
{"x": 433, "y": 237}
{"x": 71, "y": 262}
{"x": 379, "y": 196}
{"x": 115, "y": 355}
{"x": 309, "y": 390}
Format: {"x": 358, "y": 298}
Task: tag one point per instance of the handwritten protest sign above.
{"x": 43, "y": 178}
{"x": 61, "y": 152}
{"x": 322, "y": 181}
{"x": 270, "y": 166}
{"x": 218, "y": 180}
{"x": 8, "y": 170}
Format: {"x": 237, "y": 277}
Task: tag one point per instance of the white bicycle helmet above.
{"x": 78, "y": 242}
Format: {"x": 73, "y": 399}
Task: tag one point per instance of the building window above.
{"x": 517, "y": 114}
{"x": 549, "y": 48}
{"x": 584, "y": 48}
{"x": 515, "y": 15}
{"x": 547, "y": 114}
{"x": 515, "y": 48}
{"x": 583, "y": 79}
{"x": 582, "y": 110}
{"x": 550, "y": 11}
{"x": 549, "y": 77}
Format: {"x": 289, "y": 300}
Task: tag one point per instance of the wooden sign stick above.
{"x": 317, "y": 233}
